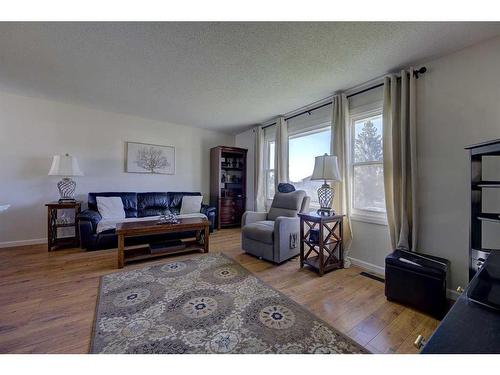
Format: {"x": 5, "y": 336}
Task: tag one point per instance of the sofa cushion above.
{"x": 175, "y": 200}
{"x": 110, "y": 207}
{"x": 129, "y": 201}
{"x": 262, "y": 231}
{"x": 286, "y": 204}
{"x": 191, "y": 204}
{"x": 152, "y": 204}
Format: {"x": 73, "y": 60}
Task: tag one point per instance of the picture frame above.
{"x": 149, "y": 158}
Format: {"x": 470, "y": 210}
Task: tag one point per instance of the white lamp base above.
{"x": 325, "y": 198}
{"x": 67, "y": 189}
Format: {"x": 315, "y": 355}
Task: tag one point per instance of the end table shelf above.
{"x": 54, "y": 242}
{"x": 324, "y": 253}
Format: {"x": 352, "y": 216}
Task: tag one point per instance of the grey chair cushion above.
{"x": 286, "y": 204}
{"x": 262, "y": 231}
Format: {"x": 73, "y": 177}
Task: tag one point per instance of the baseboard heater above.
{"x": 373, "y": 277}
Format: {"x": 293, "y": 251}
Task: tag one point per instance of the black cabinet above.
{"x": 479, "y": 213}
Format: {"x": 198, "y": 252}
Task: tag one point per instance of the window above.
{"x": 302, "y": 149}
{"x": 269, "y": 168}
{"x": 367, "y": 169}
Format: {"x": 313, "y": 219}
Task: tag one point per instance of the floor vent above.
{"x": 369, "y": 275}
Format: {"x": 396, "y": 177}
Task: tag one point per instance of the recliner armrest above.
{"x": 252, "y": 217}
{"x": 286, "y": 237}
{"x": 90, "y": 215}
{"x": 285, "y": 223}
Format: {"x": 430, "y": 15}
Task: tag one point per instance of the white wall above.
{"x": 458, "y": 104}
{"x": 32, "y": 130}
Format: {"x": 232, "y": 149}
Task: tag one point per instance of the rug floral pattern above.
{"x": 208, "y": 304}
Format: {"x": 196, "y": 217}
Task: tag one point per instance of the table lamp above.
{"x": 65, "y": 166}
{"x": 326, "y": 168}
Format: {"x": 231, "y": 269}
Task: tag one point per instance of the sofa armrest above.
{"x": 209, "y": 212}
{"x": 91, "y": 216}
{"x": 87, "y": 225}
{"x": 286, "y": 238}
{"x": 252, "y": 217}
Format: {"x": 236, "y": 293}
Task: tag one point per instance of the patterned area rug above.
{"x": 208, "y": 304}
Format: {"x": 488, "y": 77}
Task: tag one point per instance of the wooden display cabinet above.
{"x": 228, "y": 171}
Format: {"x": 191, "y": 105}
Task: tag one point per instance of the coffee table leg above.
{"x": 121, "y": 251}
{"x": 206, "y": 239}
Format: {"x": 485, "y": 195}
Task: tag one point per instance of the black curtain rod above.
{"x": 416, "y": 73}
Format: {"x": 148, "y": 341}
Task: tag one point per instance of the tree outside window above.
{"x": 367, "y": 165}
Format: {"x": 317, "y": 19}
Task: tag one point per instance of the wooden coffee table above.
{"x": 151, "y": 227}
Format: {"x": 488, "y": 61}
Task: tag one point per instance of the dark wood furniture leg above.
{"x": 302, "y": 239}
{"x": 50, "y": 227}
{"x": 206, "y": 238}
{"x": 121, "y": 251}
{"x": 341, "y": 244}
{"x": 321, "y": 249}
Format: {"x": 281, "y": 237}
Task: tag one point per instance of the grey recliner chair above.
{"x": 275, "y": 235}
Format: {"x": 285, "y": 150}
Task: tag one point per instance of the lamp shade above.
{"x": 65, "y": 165}
{"x": 326, "y": 168}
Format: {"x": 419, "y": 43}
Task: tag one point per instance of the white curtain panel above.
{"x": 259, "y": 170}
{"x": 338, "y": 147}
{"x": 400, "y": 159}
{"x": 281, "y": 152}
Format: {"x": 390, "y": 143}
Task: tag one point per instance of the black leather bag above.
{"x": 417, "y": 280}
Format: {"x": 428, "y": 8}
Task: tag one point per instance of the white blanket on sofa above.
{"x": 107, "y": 224}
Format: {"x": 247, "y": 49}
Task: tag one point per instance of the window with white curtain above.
{"x": 302, "y": 149}
{"x": 366, "y": 174}
{"x": 269, "y": 150}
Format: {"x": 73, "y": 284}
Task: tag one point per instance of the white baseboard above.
{"x": 450, "y": 293}
{"x": 368, "y": 266}
{"x": 35, "y": 241}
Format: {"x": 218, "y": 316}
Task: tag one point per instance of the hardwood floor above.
{"x": 47, "y": 300}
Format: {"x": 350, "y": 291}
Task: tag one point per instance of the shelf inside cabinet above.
{"x": 494, "y": 217}
{"x": 486, "y": 184}
{"x": 231, "y": 169}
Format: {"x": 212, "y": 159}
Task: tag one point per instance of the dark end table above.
{"x": 53, "y": 241}
{"x": 325, "y": 251}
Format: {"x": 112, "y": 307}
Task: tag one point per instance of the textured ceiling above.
{"x": 223, "y": 76}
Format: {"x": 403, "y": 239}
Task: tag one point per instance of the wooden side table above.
{"x": 53, "y": 241}
{"x": 325, "y": 250}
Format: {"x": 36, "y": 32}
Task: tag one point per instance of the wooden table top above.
{"x": 314, "y": 216}
{"x": 152, "y": 226}
{"x": 67, "y": 204}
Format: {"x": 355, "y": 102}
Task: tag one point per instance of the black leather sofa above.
{"x": 135, "y": 205}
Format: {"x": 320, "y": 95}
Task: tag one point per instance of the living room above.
{"x": 255, "y": 187}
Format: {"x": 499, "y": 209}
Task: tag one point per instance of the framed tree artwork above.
{"x": 148, "y": 158}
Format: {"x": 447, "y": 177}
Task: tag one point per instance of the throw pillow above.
{"x": 191, "y": 204}
{"x": 110, "y": 207}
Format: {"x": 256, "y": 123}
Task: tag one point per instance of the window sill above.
{"x": 379, "y": 220}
